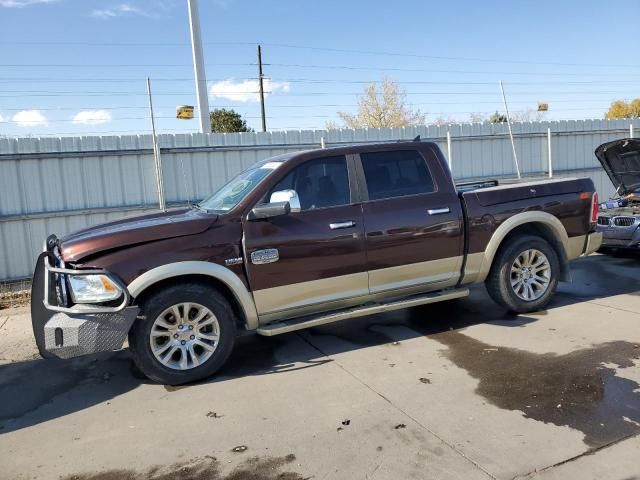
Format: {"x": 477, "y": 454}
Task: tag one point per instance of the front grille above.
{"x": 604, "y": 220}
{"x": 624, "y": 221}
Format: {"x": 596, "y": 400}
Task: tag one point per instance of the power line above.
{"x": 122, "y": 44}
{"x": 45, "y": 93}
{"x": 328, "y": 49}
{"x": 297, "y": 106}
{"x": 422, "y": 70}
{"x": 443, "y": 57}
{"x": 108, "y": 80}
{"x": 313, "y": 81}
{"x": 313, "y": 66}
{"x": 118, "y": 65}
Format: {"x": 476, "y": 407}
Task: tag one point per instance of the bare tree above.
{"x": 382, "y": 108}
{"x": 442, "y": 120}
{"x": 528, "y": 115}
{"x": 477, "y": 118}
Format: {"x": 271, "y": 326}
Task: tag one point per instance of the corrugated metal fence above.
{"x": 57, "y": 185}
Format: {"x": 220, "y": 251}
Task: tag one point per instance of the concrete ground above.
{"x": 461, "y": 389}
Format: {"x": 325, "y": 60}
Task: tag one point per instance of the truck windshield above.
{"x": 234, "y": 191}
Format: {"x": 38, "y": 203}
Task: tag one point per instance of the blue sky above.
{"x": 79, "y": 66}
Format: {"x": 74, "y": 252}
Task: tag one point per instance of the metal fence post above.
{"x": 513, "y": 144}
{"x": 549, "y": 152}
{"x": 631, "y": 130}
{"x": 449, "y": 159}
{"x": 156, "y": 154}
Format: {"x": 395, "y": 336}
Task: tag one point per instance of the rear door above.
{"x": 316, "y": 259}
{"x": 413, "y": 221}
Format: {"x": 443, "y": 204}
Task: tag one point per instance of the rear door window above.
{"x": 396, "y": 174}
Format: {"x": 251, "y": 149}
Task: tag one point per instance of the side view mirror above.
{"x": 268, "y": 210}
{"x": 290, "y": 196}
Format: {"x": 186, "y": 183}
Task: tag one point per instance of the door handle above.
{"x": 339, "y": 225}
{"x": 439, "y": 211}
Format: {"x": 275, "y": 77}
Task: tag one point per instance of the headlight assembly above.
{"x": 93, "y": 289}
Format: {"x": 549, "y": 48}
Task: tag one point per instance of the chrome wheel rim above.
{"x": 184, "y": 336}
{"x": 530, "y": 275}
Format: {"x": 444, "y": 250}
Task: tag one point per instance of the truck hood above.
{"x": 621, "y": 160}
{"x": 133, "y": 231}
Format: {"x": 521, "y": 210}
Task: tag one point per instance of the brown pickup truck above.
{"x": 300, "y": 240}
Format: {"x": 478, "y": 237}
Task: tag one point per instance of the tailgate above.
{"x": 523, "y": 191}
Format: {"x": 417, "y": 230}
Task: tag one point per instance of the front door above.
{"x": 413, "y": 222}
{"x": 312, "y": 260}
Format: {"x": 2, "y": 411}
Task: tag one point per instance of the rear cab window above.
{"x": 398, "y": 173}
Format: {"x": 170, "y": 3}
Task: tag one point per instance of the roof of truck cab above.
{"x": 350, "y": 148}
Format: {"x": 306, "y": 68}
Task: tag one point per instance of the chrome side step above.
{"x": 286, "y": 326}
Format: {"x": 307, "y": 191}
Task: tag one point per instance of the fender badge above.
{"x": 233, "y": 261}
{"x": 269, "y": 255}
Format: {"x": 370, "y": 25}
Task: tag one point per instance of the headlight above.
{"x": 93, "y": 289}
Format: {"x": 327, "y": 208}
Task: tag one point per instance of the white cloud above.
{"x": 2, "y": 119}
{"x": 92, "y": 117}
{"x": 22, "y": 3}
{"x": 29, "y": 118}
{"x": 245, "y": 90}
{"x": 122, "y": 10}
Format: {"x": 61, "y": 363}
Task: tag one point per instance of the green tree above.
{"x": 382, "y": 108}
{"x": 227, "y": 121}
{"x": 622, "y": 109}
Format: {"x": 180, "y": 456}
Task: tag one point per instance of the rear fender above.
{"x": 479, "y": 264}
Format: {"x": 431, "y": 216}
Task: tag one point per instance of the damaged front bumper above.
{"x": 65, "y": 330}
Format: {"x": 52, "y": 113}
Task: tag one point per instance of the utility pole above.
{"x": 260, "y": 77}
{"x": 513, "y": 145}
{"x": 198, "y": 67}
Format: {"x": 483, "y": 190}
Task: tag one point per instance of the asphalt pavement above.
{"x": 456, "y": 390}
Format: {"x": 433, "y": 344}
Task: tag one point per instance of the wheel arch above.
{"x": 541, "y": 224}
{"x": 217, "y": 276}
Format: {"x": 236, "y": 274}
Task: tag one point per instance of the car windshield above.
{"x": 233, "y": 192}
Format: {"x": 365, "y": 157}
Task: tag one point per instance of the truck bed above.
{"x": 487, "y": 208}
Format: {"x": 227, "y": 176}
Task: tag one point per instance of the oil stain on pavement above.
{"x": 579, "y": 389}
{"x": 207, "y": 468}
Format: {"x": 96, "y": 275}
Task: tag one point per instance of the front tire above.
{"x": 186, "y": 333}
{"x": 524, "y": 275}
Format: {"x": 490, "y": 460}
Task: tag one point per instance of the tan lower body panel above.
{"x": 278, "y": 328}
{"x": 576, "y": 245}
{"x": 422, "y": 273}
{"x": 306, "y": 298}
{"x": 594, "y": 242}
{"x": 304, "y": 294}
{"x": 473, "y": 267}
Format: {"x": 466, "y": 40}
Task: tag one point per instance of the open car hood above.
{"x": 134, "y": 230}
{"x": 621, "y": 160}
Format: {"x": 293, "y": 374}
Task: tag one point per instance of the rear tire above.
{"x": 524, "y": 275}
{"x": 186, "y": 334}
